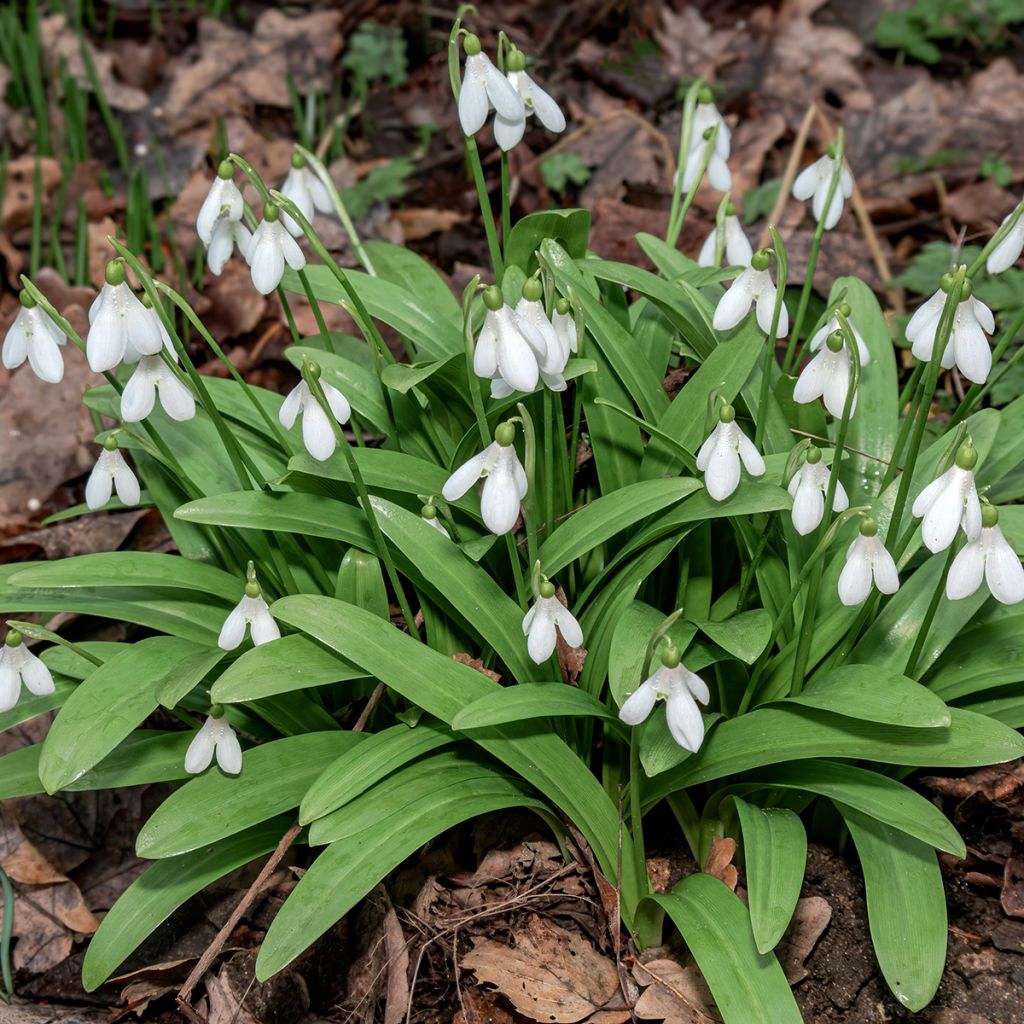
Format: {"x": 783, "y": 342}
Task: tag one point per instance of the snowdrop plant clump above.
{"x": 764, "y": 543}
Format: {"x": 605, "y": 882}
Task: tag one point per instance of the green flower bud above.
{"x": 428, "y": 512}
{"x": 844, "y": 309}
{"x": 312, "y": 369}
{"x": 761, "y": 259}
{"x": 562, "y": 306}
{"x": 298, "y": 160}
{"x": 115, "y": 273}
{"x": 727, "y": 414}
{"x": 146, "y": 300}
{"x": 493, "y": 299}
{"x": 730, "y": 209}
{"x": 226, "y": 170}
{"x": 705, "y": 95}
{"x": 252, "y": 589}
{"x": 946, "y": 283}
{"x": 516, "y": 60}
{"x": 989, "y": 515}
{"x": 547, "y": 589}
{"x": 13, "y": 638}
{"x": 471, "y": 44}
{"x": 271, "y": 212}
{"x": 868, "y": 527}
{"x": 830, "y": 150}
{"x": 967, "y": 456}
{"x": 110, "y": 443}
{"x": 533, "y": 290}
{"x": 505, "y": 434}
{"x": 216, "y": 711}
{"x": 670, "y": 655}
{"x": 26, "y": 300}
{"x": 835, "y": 341}
{"x": 813, "y": 455}
{"x": 966, "y": 289}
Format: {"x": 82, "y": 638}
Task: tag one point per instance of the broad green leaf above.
{"x": 274, "y": 778}
{"x": 616, "y": 441}
{"x": 906, "y": 907}
{"x": 982, "y": 657}
{"x": 875, "y": 695}
{"x": 606, "y": 516}
{"x": 745, "y": 635}
{"x": 348, "y": 869}
{"x": 570, "y": 229}
{"x": 1008, "y": 710}
{"x": 291, "y": 663}
{"x": 403, "y": 377}
{"x": 112, "y": 701}
{"x": 443, "y": 687}
{"x": 401, "y": 266}
{"x": 186, "y": 674}
{"x": 162, "y": 888}
{"x": 381, "y": 469}
{"x": 659, "y": 752}
{"x": 869, "y": 792}
{"x": 380, "y": 754}
{"x": 67, "y": 662}
{"x": 749, "y": 986}
{"x": 773, "y": 734}
{"x": 361, "y": 581}
{"x": 774, "y": 859}
{"x": 529, "y": 700}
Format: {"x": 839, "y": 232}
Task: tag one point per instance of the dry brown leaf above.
{"x": 690, "y": 46}
{"x": 467, "y": 659}
{"x": 550, "y": 975}
{"x": 810, "y": 919}
{"x": 235, "y": 306}
{"x": 396, "y": 1002}
{"x": 423, "y": 223}
{"x": 720, "y": 864}
{"x": 1011, "y": 898}
{"x": 20, "y": 189}
{"x": 673, "y": 993}
{"x": 19, "y": 858}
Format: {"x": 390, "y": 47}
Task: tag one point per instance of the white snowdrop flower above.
{"x": 681, "y": 690}
{"x": 250, "y": 611}
{"x": 540, "y": 621}
{"x": 821, "y": 335}
{"x": 720, "y": 455}
{"x": 509, "y": 349}
{"x": 808, "y": 487}
{"x": 508, "y": 131}
{"x": 815, "y": 181}
{"x": 737, "y": 249}
{"x": 111, "y": 472}
{"x": 153, "y": 376}
{"x": 483, "y": 87}
{"x": 504, "y": 484}
{"x": 753, "y": 286}
{"x": 530, "y": 310}
{"x": 1008, "y": 251}
{"x": 269, "y": 249}
{"x": 216, "y": 735}
{"x": 430, "y": 516}
{"x": 19, "y": 665}
{"x": 34, "y": 336}
{"x": 827, "y": 376}
{"x": 317, "y": 433}
{"x": 950, "y": 501}
{"x": 867, "y": 559}
{"x": 118, "y": 319}
{"x": 565, "y": 327}
{"x": 223, "y": 203}
{"x": 705, "y": 118}
{"x": 989, "y": 558}
{"x": 305, "y": 189}
{"x": 968, "y": 347}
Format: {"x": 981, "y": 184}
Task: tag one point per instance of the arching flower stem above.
{"x": 781, "y": 276}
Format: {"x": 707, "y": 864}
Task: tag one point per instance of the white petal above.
{"x": 840, "y": 500}
{"x": 695, "y": 685}
{"x": 200, "y": 750}
{"x": 125, "y": 482}
{"x": 941, "y": 521}
{"x": 499, "y": 502}
{"x": 267, "y": 263}
{"x": 966, "y": 572}
{"x": 547, "y": 110}
{"x": 738, "y": 250}
{"x": 887, "y": 578}
{"x": 718, "y": 173}
{"x": 467, "y": 475}
{"x": 1003, "y": 571}
{"x": 502, "y": 93}
{"x": 485, "y": 354}
{"x": 508, "y": 134}
{"x": 926, "y": 319}
{"x": 971, "y": 518}
{"x": 835, "y": 210}
{"x": 17, "y": 340}
{"x": 722, "y": 475}
{"x": 473, "y": 102}
{"x": 541, "y": 641}
{"x": 685, "y": 722}
{"x": 105, "y": 343}
{"x": 837, "y": 384}
{"x": 1008, "y": 251}
{"x": 751, "y": 457}
{"x": 293, "y": 255}
{"x": 766, "y": 310}
{"x": 35, "y": 675}
{"x": 264, "y": 628}
{"x": 516, "y": 360}
{"x": 99, "y": 485}
{"x": 810, "y": 384}
{"x": 142, "y": 330}
{"x": 220, "y": 246}
{"x": 706, "y": 450}
{"x": 734, "y": 304}
{"x": 973, "y": 355}
{"x": 570, "y": 629}
{"x": 10, "y": 682}
{"x": 808, "y": 507}
{"x": 176, "y": 399}
{"x": 855, "y": 579}
{"x": 317, "y": 432}
{"x": 638, "y": 705}
{"x": 232, "y": 633}
{"x": 229, "y": 751}
{"x": 929, "y": 495}
{"x": 706, "y": 258}
{"x": 44, "y": 357}
{"x": 806, "y": 182}
{"x": 292, "y": 405}
{"x": 139, "y": 393}
{"x": 983, "y": 314}
{"x": 337, "y": 403}
{"x": 209, "y": 212}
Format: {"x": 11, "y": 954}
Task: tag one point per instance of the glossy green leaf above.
{"x": 361, "y": 582}
{"x": 529, "y": 700}
{"x": 982, "y": 657}
{"x": 875, "y": 695}
{"x": 162, "y": 888}
{"x": 749, "y": 986}
{"x": 569, "y": 228}
{"x": 745, "y": 635}
{"x": 906, "y": 907}
{"x": 774, "y": 859}
{"x": 400, "y": 265}
{"x": 112, "y": 701}
{"x": 274, "y": 778}
{"x": 380, "y": 754}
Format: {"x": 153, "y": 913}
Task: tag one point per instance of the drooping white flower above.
{"x": 269, "y": 249}
{"x": 753, "y": 285}
{"x": 215, "y": 735}
{"x": 968, "y": 347}
{"x": 504, "y": 481}
{"x": 540, "y": 621}
{"x": 153, "y": 376}
{"x": 483, "y": 87}
{"x": 816, "y": 180}
{"x": 118, "y": 319}
{"x": 530, "y": 311}
{"x": 111, "y": 472}
{"x": 223, "y": 204}
{"x": 720, "y": 455}
{"x": 317, "y": 433}
{"x": 305, "y": 189}
{"x": 737, "y": 248}
{"x": 508, "y": 131}
{"x": 429, "y": 514}
{"x": 867, "y": 559}
{"x": 821, "y": 335}
{"x": 19, "y": 665}
{"x": 989, "y": 558}
{"x": 509, "y": 349}
{"x": 681, "y": 690}
{"x": 34, "y": 336}
{"x": 950, "y": 501}
{"x": 827, "y": 376}
{"x": 808, "y": 487}
{"x": 705, "y": 117}
{"x": 252, "y": 611}
{"x": 1008, "y": 251}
